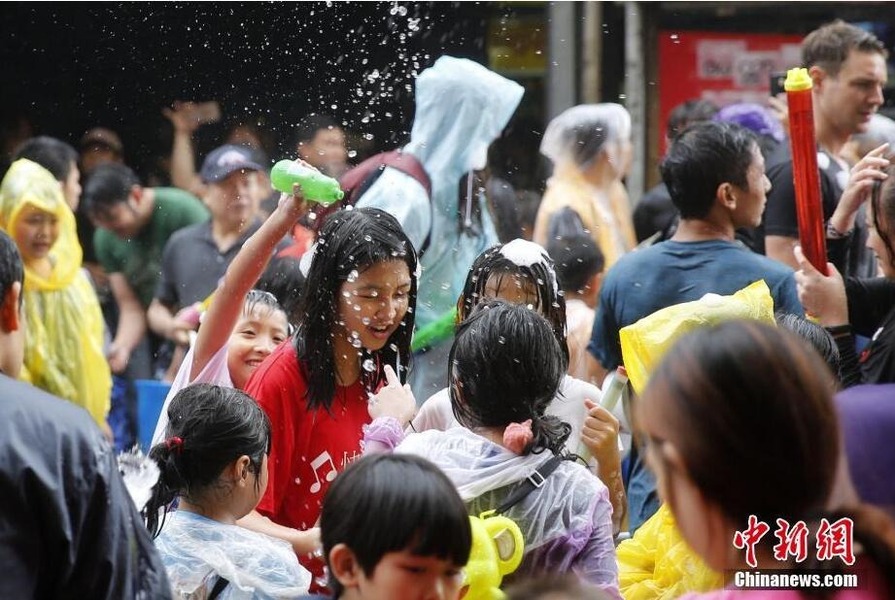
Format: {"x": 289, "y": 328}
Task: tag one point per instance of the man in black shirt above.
{"x": 847, "y": 66}
{"x": 68, "y": 528}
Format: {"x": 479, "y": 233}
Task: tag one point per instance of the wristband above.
{"x": 839, "y": 330}
{"x": 835, "y": 234}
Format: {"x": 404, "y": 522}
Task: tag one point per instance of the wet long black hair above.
{"x": 506, "y": 366}
{"x": 351, "y": 241}
{"x": 209, "y": 427}
{"x": 542, "y": 275}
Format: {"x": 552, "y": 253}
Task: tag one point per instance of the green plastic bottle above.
{"x": 315, "y": 186}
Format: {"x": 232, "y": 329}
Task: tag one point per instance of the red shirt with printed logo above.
{"x": 308, "y": 447}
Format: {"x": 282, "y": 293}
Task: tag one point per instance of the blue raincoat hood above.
{"x": 461, "y": 107}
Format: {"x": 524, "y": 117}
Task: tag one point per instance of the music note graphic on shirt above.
{"x": 316, "y": 464}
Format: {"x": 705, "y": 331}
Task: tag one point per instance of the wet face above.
{"x": 256, "y": 335}
{"x": 35, "y": 233}
{"x": 327, "y": 148}
{"x": 372, "y": 305}
{"x": 233, "y": 202}
{"x": 406, "y": 576}
{"x": 71, "y": 187}
{"x": 849, "y": 99}
{"x": 511, "y": 288}
{"x": 750, "y": 201}
{"x": 876, "y": 243}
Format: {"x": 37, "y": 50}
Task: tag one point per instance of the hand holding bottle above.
{"x": 315, "y": 186}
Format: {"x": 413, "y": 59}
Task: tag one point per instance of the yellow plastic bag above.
{"x": 645, "y": 342}
{"x": 658, "y": 564}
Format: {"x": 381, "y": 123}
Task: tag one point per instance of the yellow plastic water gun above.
{"x": 497, "y": 547}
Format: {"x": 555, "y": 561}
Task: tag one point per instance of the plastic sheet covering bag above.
{"x": 196, "y": 551}
{"x": 645, "y": 342}
{"x": 64, "y": 343}
{"x": 657, "y": 564}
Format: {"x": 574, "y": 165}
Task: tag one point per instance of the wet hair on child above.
{"x": 262, "y": 299}
{"x": 385, "y": 503}
{"x": 506, "y": 366}
{"x": 351, "y": 241}
{"x": 209, "y": 427}
{"x": 517, "y": 262}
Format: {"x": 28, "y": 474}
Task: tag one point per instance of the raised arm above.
{"x": 860, "y": 182}
{"x": 241, "y": 276}
{"x": 183, "y": 163}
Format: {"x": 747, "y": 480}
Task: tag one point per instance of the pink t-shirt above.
{"x": 216, "y": 372}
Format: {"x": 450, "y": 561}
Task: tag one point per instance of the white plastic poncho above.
{"x": 579, "y": 134}
{"x": 566, "y": 523}
{"x": 573, "y": 141}
{"x": 196, "y": 551}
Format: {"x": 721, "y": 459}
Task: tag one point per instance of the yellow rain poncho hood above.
{"x": 657, "y": 563}
{"x": 64, "y": 324}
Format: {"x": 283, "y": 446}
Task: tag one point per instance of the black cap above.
{"x": 223, "y": 161}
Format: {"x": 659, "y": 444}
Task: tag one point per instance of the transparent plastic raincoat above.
{"x": 566, "y": 522}
{"x": 64, "y": 324}
{"x": 573, "y": 141}
{"x": 196, "y": 551}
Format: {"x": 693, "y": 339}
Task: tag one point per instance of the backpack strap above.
{"x": 219, "y": 586}
{"x": 362, "y": 177}
{"x": 529, "y": 484}
{"x": 409, "y": 165}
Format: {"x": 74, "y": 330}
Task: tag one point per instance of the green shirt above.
{"x": 139, "y": 258}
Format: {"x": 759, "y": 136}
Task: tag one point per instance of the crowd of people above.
{"x": 355, "y": 390}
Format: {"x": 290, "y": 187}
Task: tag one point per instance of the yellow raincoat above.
{"x": 657, "y": 563}
{"x": 64, "y": 324}
{"x": 606, "y": 215}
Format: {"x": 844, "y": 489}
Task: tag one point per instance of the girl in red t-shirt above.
{"x": 356, "y": 322}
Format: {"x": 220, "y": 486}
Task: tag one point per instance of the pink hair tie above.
{"x": 174, "y": 444}
{"x": 517, "y": 436}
